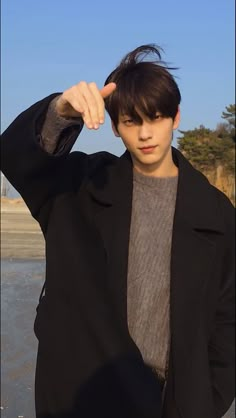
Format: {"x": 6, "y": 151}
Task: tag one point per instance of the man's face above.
{"x": 149, "y": 143}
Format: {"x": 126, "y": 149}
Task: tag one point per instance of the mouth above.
{"x": 149, "y": 149}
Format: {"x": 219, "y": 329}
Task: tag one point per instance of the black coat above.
{"x": 88, "y": 365}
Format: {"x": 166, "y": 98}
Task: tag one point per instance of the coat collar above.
{"x": 196, "y": 202}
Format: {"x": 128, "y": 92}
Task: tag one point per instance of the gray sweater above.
{"x": 149, "y": 267}
{"x": 153, "y": 207}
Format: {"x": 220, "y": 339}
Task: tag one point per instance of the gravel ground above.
{"x": 21, "y": 283}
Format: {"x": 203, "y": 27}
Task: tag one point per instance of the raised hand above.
{"x": 85, "y": 100}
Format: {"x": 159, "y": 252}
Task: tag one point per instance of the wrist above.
{"x": 65, "y": 110}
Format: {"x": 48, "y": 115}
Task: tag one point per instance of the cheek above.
{"x": 167, "y": 134}
{"x": 128, "y": 140}
{"x": 127, "y": 144}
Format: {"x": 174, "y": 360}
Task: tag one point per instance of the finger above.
{"x": 107, "y": 90}
{"x": 91, "y": 102}
{"x": 86, "y": 117}
{"x": 100, "y": 102}
{"x": 79, "y": 104}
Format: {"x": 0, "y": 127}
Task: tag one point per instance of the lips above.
{"x": 148, "y": 149}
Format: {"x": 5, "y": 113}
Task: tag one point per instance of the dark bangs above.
{"x": 143, "y": 87}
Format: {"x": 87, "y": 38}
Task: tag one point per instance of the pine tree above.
{"x": 229, "y": 116}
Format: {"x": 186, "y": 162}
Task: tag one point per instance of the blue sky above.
{"x": 49, "y": 45}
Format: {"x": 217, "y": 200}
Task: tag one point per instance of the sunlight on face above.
{"x": 149, "y": 142}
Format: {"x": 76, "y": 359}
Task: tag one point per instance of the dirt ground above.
{"x": 21, "y": 236}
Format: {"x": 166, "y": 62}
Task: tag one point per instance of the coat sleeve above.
{"x": 37, "y": 175}
{"x": 222, "y": 341}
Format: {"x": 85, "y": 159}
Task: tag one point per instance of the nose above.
{"x": 145, "y": 131}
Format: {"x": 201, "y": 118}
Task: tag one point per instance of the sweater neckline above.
{"x": 152, "y": 181}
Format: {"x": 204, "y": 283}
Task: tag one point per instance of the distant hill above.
{"x": 222, "y": 180}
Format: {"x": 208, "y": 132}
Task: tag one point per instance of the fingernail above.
{"x": 96, "y": 126}
{"x": 101, "y": 121}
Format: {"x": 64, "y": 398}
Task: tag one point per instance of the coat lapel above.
{"x": 112, "y": 219}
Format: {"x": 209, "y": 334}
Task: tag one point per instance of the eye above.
{"x": 158, "y": 116}
{"x": 128, "y": 122}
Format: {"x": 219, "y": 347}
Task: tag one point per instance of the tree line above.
{"x": 208, "y": 150}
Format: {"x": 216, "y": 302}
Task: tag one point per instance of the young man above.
{"x": 139, "y": 291}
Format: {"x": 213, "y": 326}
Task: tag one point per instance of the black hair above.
{"x": 143, "y": 86}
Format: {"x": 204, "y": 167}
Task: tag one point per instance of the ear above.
{"x": 176, "y": 119}
{"x": 116, "y": 133}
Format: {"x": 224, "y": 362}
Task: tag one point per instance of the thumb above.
{"x": 107, "y": 90}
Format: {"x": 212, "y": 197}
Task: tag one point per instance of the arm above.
{"x": 57, "y": 130}
{"x": 37, "y": 174}
{"x": 222, "y": 342}
{"x": 28, "y": 167}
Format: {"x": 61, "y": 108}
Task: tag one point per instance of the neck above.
{"x": 153, "y": 172}
{"x": 164, "y": 168}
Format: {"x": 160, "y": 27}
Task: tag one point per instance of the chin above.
{"x": 150, "y": 160}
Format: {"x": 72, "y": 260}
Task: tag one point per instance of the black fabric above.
{"x": 83, "y": 204}
{"x": 122, "y": 388}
